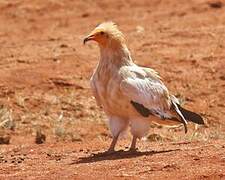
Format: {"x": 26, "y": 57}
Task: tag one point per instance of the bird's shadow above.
{"x": 102, "y": 156}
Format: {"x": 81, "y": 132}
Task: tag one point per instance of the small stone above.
{"x": 40, "y": 137}
{"x": 84, "y": 15}
{"x": 216, "y": 4}
{"x": 5, "y": 139}
{"x": 63, "y": 45}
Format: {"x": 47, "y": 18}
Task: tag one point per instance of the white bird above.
{"x": 130, "y": 94}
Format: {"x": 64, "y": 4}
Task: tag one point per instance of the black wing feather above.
{"x": 141, "y": 109}
{"x": 191, "y": 116}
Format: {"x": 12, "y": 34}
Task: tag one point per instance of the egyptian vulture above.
{"x": 131, "y": 95}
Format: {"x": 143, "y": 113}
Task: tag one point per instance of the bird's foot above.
{"x": 133, "y": 150}
{"x": 109, "y": 152}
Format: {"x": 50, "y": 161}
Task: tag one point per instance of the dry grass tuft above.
{"x": 6, "y": 120}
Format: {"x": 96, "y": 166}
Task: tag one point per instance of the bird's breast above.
{"x": 107, "y": 88}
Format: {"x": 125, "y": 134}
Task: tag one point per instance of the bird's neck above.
{"x": 117, "y": 55}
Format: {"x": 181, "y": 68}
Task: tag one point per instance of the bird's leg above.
{"x": 133, "y": 144}
{"x": 112, "y": 145}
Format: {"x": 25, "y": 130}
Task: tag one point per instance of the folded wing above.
{"x": 147, "y": 91}
{"x": 149, "y": 96}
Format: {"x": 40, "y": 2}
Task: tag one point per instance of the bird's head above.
{"x": 106, "y": 34}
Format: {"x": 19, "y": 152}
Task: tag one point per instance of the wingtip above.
{"x": 201, "y": 121}
{"x": 191, "y": 116}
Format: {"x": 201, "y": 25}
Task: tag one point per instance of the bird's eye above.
{"x": 102, "y": 33}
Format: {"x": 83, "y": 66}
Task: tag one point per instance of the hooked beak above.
{"x": 88, "y": 38}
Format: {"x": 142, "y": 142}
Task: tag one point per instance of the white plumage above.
{"x": 130, "y": 94}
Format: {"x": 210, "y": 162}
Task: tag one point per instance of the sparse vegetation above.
{"x": 6, "y": 124}
{"x": 6, "y": 120}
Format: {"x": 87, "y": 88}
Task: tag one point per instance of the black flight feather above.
{"x": 191, "y": 116}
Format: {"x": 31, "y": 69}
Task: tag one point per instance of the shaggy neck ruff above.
{"x": 115, "y": 53}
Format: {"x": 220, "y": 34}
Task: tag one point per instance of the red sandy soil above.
{"x": 44, "y": 87}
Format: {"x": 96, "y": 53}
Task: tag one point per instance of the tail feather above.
{"x": 191, "y": 116}
{"x": 179, "y": 113}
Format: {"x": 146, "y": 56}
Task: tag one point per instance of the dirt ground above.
{"x": 44, "y": 89}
